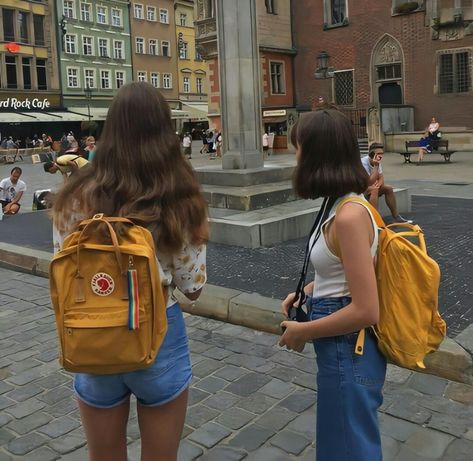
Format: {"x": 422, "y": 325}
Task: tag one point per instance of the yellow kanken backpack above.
{"x": 410, "y": 326}
{"x": 108, "y": 298}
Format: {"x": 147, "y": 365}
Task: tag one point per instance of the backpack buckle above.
{"x": 97, "y": 216}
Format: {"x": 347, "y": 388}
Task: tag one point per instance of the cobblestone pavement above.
{"x": 249, "y": 399}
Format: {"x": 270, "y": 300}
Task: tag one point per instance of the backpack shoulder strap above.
{"x": 377, "y": 217}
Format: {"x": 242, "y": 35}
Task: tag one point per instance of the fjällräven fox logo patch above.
{"x": 102, "y": 284}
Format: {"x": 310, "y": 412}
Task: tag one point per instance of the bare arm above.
{"x": 17, "y": 198}
{"x": 374, "y": 176}
{"x": 353, "y": 230}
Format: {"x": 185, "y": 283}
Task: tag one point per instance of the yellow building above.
{"x": 192, "y": 69}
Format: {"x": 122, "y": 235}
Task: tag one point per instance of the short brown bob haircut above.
{"x": 329, "y": 163}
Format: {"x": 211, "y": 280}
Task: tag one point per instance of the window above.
{"x": 105, "y": 79}
{"x": 41, "y": 74}
{"x": 154, "y": 76}
{"x": 165, "y": 49}
{"x": 140, "y": 45}
{"x": 182, "y": 19}
{"x": 343, "y": 88}
{"x": 71, "y": 43}
{"x": 277, "y": 77}
{"x": 388, "y": 72}
{"x": 26, "y": 64}
{"x": 10, "y": 62}
{"x": 87, "y": 45}
{"x": 335, "y": 13}
{"x": 198, "y": 56}
{"x": 8, "y": 27}
{"x": 270, "y": 6}
{"x": 167, "y": 81}
{"x": 85, "y": 12}
{"x": 187, "y": 85}
{"x": 119, "y": 78}
{"x": 38, "y": 25}
{"x": 151, "y": 13}
{"x": 454, "y": 72}
{"x": 103, "y": 48}
{"x": 23, "y": 26}
{"x": 142, "y": 76}
{"x": 209, "y": 9}
{"x": 198, "y": 84}
{"x": 183, "y": 51}
{"x": 138, "y": 10}
{"x": 403, "y": 6}
{"x": 118, "y": 49}
{"x": 153, "y": 46}
{"x": 101, "y": 15}
{"x": 89, "y": 78}
{"x": 72, "y": 77}
{"x": 68, "y": 9}
{"x": 116, "y": 17}
{"x": 163, "y": 16}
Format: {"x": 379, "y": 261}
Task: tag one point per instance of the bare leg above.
{"x": 373, "y": 196}
{"x": 161, "y": 429}
{"x": 390, "y": 198}
{"x": 420, "y": 156}
{"x": 105, "y": 429}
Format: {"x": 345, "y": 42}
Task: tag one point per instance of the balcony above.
{"x": 206, "y": 37}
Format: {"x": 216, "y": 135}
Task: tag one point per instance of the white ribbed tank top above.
{"x": 330, "y": 280}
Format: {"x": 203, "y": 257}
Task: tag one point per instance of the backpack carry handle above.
{"x": 98, "y": 218}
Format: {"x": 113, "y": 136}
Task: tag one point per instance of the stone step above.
{"x": 249, "y": 197}
{"x": 273, "y": 172}
{"x": 278, "y": 223}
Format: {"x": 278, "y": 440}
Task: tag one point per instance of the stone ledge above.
{"x": 252, "y": 310}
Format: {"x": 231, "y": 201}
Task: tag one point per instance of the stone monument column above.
{"x": 238, "y": 57}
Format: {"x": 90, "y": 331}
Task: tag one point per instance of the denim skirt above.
{"x": 349, "y": 391}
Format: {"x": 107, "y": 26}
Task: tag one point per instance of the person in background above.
{"x": 425, "y": 146}
{"x": 11, "y": 191}
{"x": 376, "y": 186}
{"x": 265, "y": 141}
{"x": 67, "y": 164}
{"x": 434, "y": 128}
{"x": 89, "y": 148}
{"x": 187, "y": 145}
{"x": 139, "y": 171}
{"x": 343, "y": 298}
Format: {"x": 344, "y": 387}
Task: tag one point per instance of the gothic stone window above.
{"x": 454, "y": 71}
{"x": 343, "y": 87}
{"x": 270, "y": 6}
{"x": 277, "y": 77}
{"x": 335, "y": 13}
{"x": 407, "y": 6}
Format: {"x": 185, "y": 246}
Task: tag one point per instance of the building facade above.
{"x": 390, "y": 65}
{"x": 274, "y": 30}
{"x": 192, "y": 69}
{"x": 155, "y": 54}
{"x": 95, "y": 53}
{"x": 29, "y": 82}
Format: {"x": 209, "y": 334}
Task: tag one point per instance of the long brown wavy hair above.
{"x": 138, "y": 172}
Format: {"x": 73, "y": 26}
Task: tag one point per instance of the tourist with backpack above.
{"x": 141, "y": 200}
{"x": 343, "y": 298}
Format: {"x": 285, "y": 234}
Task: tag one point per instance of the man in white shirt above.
{"x": 376, "y": 186}
{"x": 186, "y": 144}
{"x": 11, "y": 191}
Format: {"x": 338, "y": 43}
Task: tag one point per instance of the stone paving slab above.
{"x": 243, "y": 404}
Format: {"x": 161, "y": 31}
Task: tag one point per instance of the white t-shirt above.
{"x": 8, "y": 190}
{"x": 186, "y": 142}
{"x": 365, "y": 161}
{"x": 265, "y": 140}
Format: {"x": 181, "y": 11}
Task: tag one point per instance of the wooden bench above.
{"x": 438, "y": 147}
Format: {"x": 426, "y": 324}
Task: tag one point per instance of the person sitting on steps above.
{"x": 376, "y": 185}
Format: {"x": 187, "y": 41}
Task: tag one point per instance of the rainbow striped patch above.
{"x": 133, "y": 300}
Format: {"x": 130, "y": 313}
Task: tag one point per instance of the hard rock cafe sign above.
{"x": 27, "y": 103}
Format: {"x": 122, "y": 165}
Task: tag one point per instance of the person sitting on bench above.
{"x": 11, "y": 191}
{"x": 376, "y": 187}
{"x": 66, "y": 164}
{"x": 424, "y": 146}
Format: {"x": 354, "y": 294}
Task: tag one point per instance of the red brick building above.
{"x": 413, "y": 57}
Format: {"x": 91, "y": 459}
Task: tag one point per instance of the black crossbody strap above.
{"x": 322, "y": 215}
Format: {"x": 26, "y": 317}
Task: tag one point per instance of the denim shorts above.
{"x": 166, "y": 379}
{"x": 349, "y": 391}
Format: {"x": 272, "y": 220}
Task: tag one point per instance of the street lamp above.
{"x": 88, "y": 96}
{"x": 323, "y": 70}
{"x": 63, "y": 27}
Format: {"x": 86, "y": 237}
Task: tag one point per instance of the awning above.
{"x": 179, "y": 114}
{"x": 197, "y": 111}
{"x": 15, "y": 117}
{"x": 96, "y": 113}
